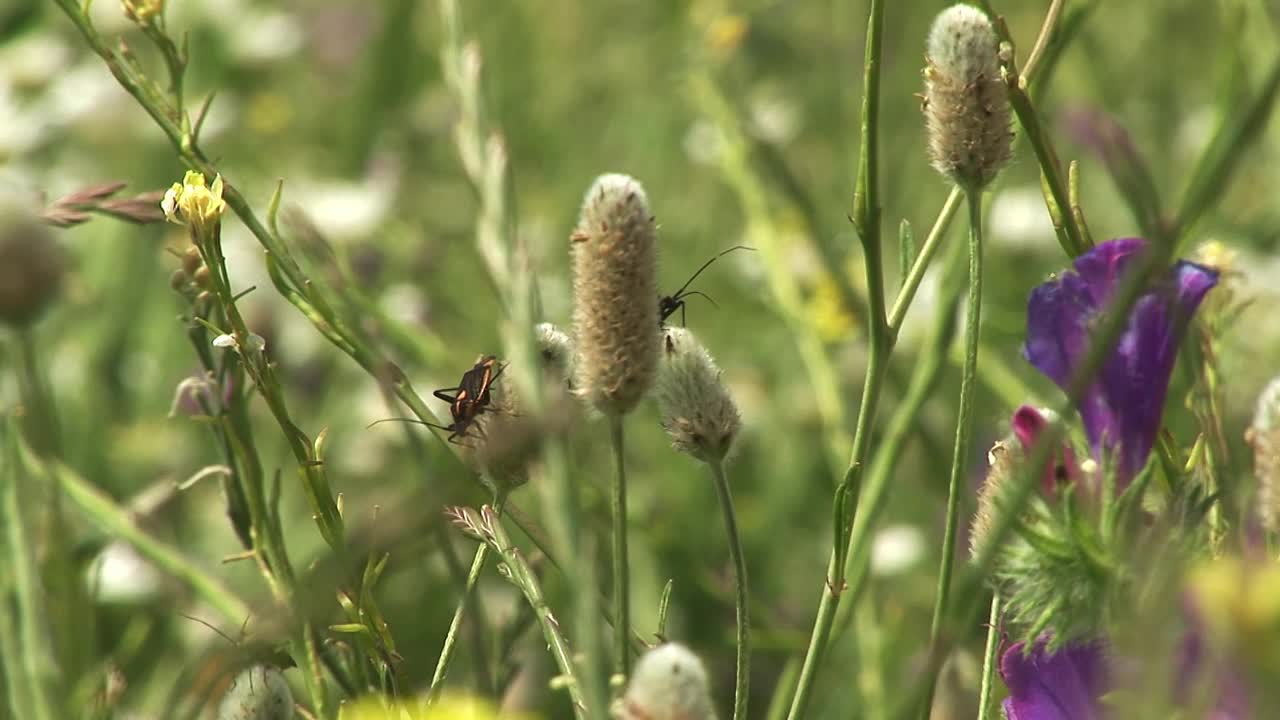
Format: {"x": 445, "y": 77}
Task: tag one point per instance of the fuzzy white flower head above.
{"x": 615, "y": 307}
{"x": 257, "y": 693}
{"x": 696, "y": 409}
{"x": 963, "y": 43}
{"x": 966, "y": 104}
{"x": 668, "y": 683}
{"x": 556, "y": 348}
{"x": 193, "y": 203}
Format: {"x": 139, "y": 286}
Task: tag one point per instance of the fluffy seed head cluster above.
{"x": 1264, "y": 436}
{"x": 504, "y": 438}
{"x": 697, "y": 411}
{"x": 615, "y": 313}
{"x": 669, "y": 683}
{"x": 257, "y": 693}
{"x": 31, "y": 264}
{"x": 966, "y": 104}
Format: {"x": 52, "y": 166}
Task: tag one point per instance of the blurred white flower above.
{"x": 120, "y": 575}
{"x": 896, "y": 549}
{"x": 704, "y": 142}
{"x": 349, "y": 209}
{"x": 1019, "y": 219}
{"x": 264, "y": 36}
{"x": 775, "y": 119}
{"x": 33, "y": 60}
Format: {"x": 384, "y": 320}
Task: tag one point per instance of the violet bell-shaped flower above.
{"x": 1122, "y": 407}
{"x": 1065, "y": 684}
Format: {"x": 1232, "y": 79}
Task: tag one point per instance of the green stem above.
{"x": 921, "y": 264}
{"x": 930, "y": 364}
{"x": 38, "y": 667}
{"x": 964, "y": 426}
{"x": 467, "y": 600}
{"x": 989, "y": 658}
{"x": 866, "y": 218}
{"x": 743, "y": 680}
{"x": 621, "y": 570}
{"x": 524, "y": 578}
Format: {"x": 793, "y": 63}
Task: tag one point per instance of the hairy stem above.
{"x": 621, "y": 570}
{"x": 743, "y": 668}
{"x": 964, "y": 427}
{"x": 989, "y": 658}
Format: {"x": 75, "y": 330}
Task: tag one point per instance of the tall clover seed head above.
{"x": 1264, "y": 436}
{"x": 615, "y": 313}
{"x": 257, "y": 693}
{"x": 966, "y": 105}
{"x": 669, "y": 683}
{"x": 697, "y": 411}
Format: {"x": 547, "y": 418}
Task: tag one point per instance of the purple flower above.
{"x": 1061, "y": 685}
{"x": 1121, "y": 409}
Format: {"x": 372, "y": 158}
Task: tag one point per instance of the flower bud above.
{"x": 615, "y": 314}
{"x": 1264, "y": 436}
{"x": 257, "y": 693}
{"x": 697, "y": 411}
{"x": 31, "y": 264}
{"x": 966, "y": 104}
{"x": 668, "y": 683}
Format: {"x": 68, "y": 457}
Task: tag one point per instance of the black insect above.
{"x": 669, "y": 304}
{"x": 468, "y": 400}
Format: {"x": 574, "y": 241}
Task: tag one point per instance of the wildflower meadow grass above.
{"x": 655, "y": 361}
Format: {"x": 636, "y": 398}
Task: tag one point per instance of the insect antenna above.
{"x": 413, "y": 421}
{"x": 681, "y": 292}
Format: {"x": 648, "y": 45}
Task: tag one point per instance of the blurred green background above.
{"x": 344, "y": 101}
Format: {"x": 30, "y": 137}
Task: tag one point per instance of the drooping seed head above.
{"x": 1264, "y": 436}
{"x": 31, "y": 264}
{"x": 697, "y": 411}
{"x": 966, "y": 103}
{"x": 669, "y": 683}
{"x": 615, "y": 313}
{"x": 257, "y": 693}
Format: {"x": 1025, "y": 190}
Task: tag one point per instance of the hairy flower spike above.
{"x": 257, "y": 693}
{"x": 1264, "y": 436}
{"x": 615, "y": 312}
{"x": 194, "y": 204}
{"x": 669, "y": 683}
{"x": 966, "y": 105}
{"x": 697, "y": 411}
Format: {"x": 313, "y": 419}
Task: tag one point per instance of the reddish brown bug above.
{"x": 468, "y": 400}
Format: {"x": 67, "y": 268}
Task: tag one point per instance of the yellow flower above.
{"x": 141, "y": 11}
{"x": 449, "y": 707}
{"x": 193, "y": 203}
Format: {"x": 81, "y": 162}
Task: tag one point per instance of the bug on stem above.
{"x": 669, "y": 304}
{"x": 467, "y": 400}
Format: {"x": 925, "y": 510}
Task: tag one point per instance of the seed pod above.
{"x": 1264, "y": 436}
{"x": 669, "y": 683}
{"x": 31, "y": 264}
{"x": 697, "y": 411}
{"x": 615, "y": 312}
{"x": 257, "y": 693}
{"x": 966, "y": 103}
